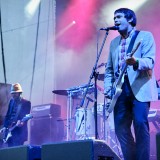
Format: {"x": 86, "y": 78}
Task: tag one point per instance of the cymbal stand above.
{"x": 69, "y": 115}
{"x": 105, "y": 118}
{"x": 90, "y": 78}
{"x": 85, "y": 120}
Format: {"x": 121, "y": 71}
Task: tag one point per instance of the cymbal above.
{"x": 75, "y": 91}
{"x": 65, "y": 92}
{"x": 74, "y": 94}
{"x": 101, "y": 77}
{"x": 61, "y": 92}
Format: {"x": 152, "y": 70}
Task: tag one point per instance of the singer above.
{"x": 138, "y": 84}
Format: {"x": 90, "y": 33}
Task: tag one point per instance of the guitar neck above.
{"x": 24, "y": 119}
{"x": 121, "y": 75}
{"x": 12, "y": 128}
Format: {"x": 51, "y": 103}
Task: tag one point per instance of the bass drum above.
{"x": 81, "y": 130}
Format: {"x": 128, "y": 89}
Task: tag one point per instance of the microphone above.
{"x": 110, "y": 28}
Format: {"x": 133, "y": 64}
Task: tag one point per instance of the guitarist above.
{"x": 17, "y": 109}
{"x": 138, "y": 85}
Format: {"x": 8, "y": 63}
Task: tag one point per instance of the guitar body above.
{"x": 114, "y": 99}
{"x": 8, "y": 132}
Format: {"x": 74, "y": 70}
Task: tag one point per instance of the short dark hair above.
{"x": 128, "y": 14}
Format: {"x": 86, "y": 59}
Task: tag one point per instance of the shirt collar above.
{"x": 130, "y": 33}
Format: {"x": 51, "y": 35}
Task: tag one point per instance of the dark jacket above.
{"x": 24, "y": 107}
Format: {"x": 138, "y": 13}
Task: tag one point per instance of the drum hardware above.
{"x": 158, "y": 93}
{"x": 61, "y": 92}
{"x": 158, "y": 89}
{"x": 84, "y": 117}
{"x": 84, "y": 122}
{"x": 73, "y": 93}
{"x": 101, "y": 65}
{"x": 100, "y": 77}
{"x": 85, "y": 95}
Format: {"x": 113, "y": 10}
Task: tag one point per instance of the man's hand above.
{"x": 19, "y": 123}
{"x": 108, "y": 101}
{"x": 130, "y": 61}
{"x": 3, "y": 130}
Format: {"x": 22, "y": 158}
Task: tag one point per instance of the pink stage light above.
{"x": 83, "y": 12}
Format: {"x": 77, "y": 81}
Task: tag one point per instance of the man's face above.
{"x": 15, "y": 95}
{"x": 121, "y": 21}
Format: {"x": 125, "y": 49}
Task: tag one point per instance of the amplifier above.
{"x": 46, "y": 130}
{"x": 46, "y": 110}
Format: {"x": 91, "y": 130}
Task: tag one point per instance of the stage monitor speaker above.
{"x": 21, "y": 153}
{"x": 46, "y": 130}
{"x": 78, "y": 150}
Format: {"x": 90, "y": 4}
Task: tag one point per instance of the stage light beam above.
{"x": 65, "y": 29}
{"x": 31, "y": 8}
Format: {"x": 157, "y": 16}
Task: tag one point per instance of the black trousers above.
{"x": 128, "y": 110}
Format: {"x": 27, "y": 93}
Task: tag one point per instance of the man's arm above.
{"x": 109, "y": 76}
{"x": 147, "y": 59}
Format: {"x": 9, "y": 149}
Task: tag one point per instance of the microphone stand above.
{"x": 95, "y": 75}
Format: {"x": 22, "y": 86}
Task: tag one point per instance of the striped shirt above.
{"x": 123, "y": 47}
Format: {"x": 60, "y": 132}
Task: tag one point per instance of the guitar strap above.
{"x": 132, "y": 41}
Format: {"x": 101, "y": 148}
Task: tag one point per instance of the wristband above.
{"x": 136, "y": 65}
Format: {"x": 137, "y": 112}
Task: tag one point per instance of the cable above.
{"x": 45, "y": 58}
{"x": 3, "y": 58}
{"x": 35, "y": 52}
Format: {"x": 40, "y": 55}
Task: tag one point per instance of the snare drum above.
{"x": 89, "y": 130}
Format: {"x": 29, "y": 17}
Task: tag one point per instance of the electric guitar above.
{"x": 117, "y": 87}
{"x": 8, "y": 132}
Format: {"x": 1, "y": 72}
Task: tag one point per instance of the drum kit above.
{"x": 83, "y": 123}
{"x": 83, "y": 116}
